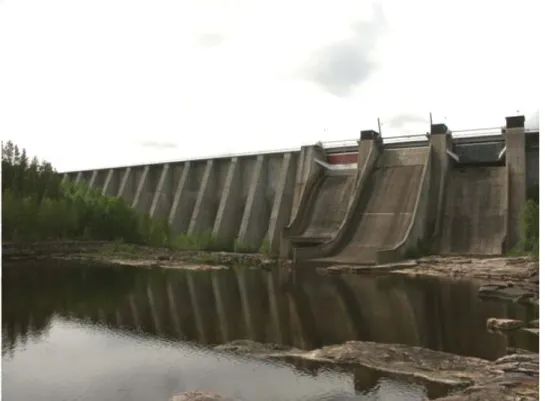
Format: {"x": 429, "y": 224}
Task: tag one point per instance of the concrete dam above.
{"x": 365, "y": 202}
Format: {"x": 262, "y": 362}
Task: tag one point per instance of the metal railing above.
{"x": 343, "y": 143}
{"x": 477, "y": 132}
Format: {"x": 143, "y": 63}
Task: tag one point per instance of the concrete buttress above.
{"x": 202, "y": 218}
{"x": 226, "y": 222}
{"x": 255, "y": 219}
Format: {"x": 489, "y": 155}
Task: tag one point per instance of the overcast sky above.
{"x": 101, "y": 83}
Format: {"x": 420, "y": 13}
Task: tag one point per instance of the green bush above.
{"x": 36, "y": 206}
{"x": 529, "y": 229}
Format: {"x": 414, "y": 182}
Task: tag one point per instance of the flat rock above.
{"x": 503, "y": 324}
{"x": 504, "y": 292}
{"x": 255, "y": 348}
{"x": 198, "y": 396}
{"x": 512, "y": 377}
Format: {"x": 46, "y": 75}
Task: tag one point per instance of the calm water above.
{"x": 77, "y": 332}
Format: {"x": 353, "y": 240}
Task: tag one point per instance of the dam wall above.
{"x": 368, "y": 201}
{"x": 247, "y": 199}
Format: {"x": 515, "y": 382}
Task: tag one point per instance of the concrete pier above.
{"x": 515, "y": 143}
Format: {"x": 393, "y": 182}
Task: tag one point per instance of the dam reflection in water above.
{"x": 306, "y": 310}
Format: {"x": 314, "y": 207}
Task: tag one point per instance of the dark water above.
{"x": 76, "y": 332}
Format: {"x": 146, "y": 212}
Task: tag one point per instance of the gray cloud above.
{"x": 159, "y": 145}
{"x": 340, "y": 67}
{"x": 400, "y": 120}
{"x": 211, "y": 39}
{"x": 532, "y": 121}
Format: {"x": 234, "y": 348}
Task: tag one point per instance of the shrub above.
{"x": 529, "y": 229}
{"x": 36, "y": 205}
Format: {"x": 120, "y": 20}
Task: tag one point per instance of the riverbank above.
{"x": 135, "y": 255}
{"x": 513, "y": 279}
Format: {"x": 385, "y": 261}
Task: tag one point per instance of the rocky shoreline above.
{"x": 135, "y": 255}
{"x": 469, "y": 378}
{"x": 513, "y": 279}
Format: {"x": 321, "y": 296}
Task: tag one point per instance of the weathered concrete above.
{"x": 138, "y": 201}
{"x": 227, "y": 218}
{"x": 181, "y": 208}
{"x": 474, "y": 212}
{"x": 416, "y": 231}
{"x": 440, "y": 142}
{"x": 383, "y": 216}
{"x": 255, "y": 217}
{"x": 123, "y": 187}
{"x": 305, "y": 168}
{"x": 281, "y": 207}
{"x": 369, "y": 148}
{"x": 515, "y": 142}
{"x": 204, "y": 213}
{"x": 261, "y": 201}
{"x": 107, "y": 188}
{"x": 162, "y": 192}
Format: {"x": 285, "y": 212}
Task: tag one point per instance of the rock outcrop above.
{"x": 514, "y": 375}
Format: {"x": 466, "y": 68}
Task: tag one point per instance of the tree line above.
{"x": 37, "y": 205}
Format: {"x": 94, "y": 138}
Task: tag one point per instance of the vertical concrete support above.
{"x": 201, "y": 219}
{"x": 122, "y": 192}
{"x": 64, "y": 178}
{"x": 226, "y": 223}
{"x": 255, "y": 219}
{"x": 137, "y": 201}
{"x": 108, "y": 182}
{"x": 93, "y": 179}
{"x": 159, "y": 202}
{"x": 180, "y": 202}
{"x": 515, "y": 142}
{"x": 305, "y": 167}
{"x": 281, "y": 208}
{"x": 79, "y": 176}
{"x": 440, "y": 143}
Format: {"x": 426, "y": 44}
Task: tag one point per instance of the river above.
{"x": 74, "y": 331}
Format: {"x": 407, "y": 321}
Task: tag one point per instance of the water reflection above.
{"x": 212, "y": 307}
{"x": 153, "y": 308}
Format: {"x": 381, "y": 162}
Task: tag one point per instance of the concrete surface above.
{"x": 475, "y": 211}
{"x": 247, "y": 198}
{"x": 251, "y": 199}
{"x": 382, "y": 207}
{"x": 384, "y": 218}
{"x": 324, "y": 211}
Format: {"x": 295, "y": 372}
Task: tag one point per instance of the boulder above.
{"x": 503, "y": 324}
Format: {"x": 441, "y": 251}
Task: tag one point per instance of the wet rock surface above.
{"x": 199, "y": 396}
{"x": 505, "y": 278}
{"x": 503, "y": 324}
{"x": 514, "y": 375}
